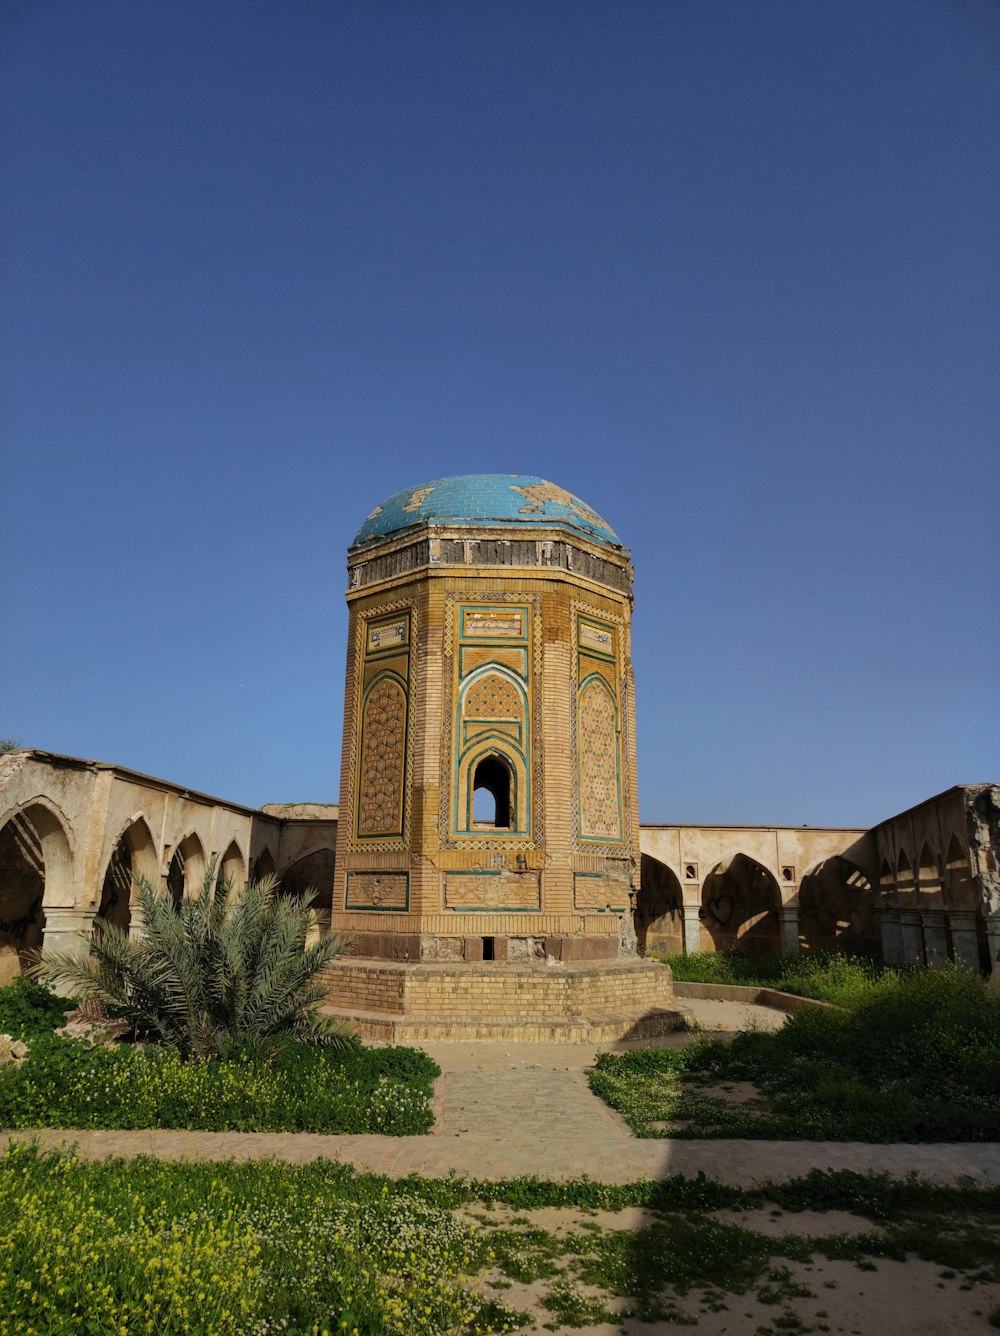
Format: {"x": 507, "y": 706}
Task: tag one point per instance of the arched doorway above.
{"x": 133, "y": 857}
{"x": 116, "y": 893}
{"x": 313, "y": 872}
{"x": 35, "y": 865}
{"x": 837, "y": 909}
{"x": 263, "y": 865}
{"x": 232, "y": 868}
{"x": 739, "y": 908}
{"x": 186, "y": 873}
{"x": 659, "y": 916}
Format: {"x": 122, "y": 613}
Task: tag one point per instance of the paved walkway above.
{"x": 504, "y": 1110}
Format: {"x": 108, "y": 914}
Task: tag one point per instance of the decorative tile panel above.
{"x": 492, "y": 890}
{"x": 595, "y": 894}
{"x": 381, "y": 739}
{"x": 491, "y": 705}
{"x": 599, "y": 737}
{"x": 597, "y": 742}
{"x": 381, "y": 891}
{"x": 381, "y": 774}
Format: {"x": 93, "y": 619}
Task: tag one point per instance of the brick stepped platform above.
{"x": 571, "y": 1003}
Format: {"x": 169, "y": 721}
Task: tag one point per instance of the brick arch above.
{"x": 494, "y": 724}
{"x": 496, "y": 747}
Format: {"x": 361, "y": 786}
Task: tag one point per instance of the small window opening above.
{"x": 491, "y": 793}
{"x": 489, "y": 952}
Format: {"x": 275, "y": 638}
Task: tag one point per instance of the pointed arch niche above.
{"x": 492, "y": 790}
{"x": 740, "y": 900}
{"x": 36, "y": 868}
{"x": 837, "y": 909}
{"x": 186, "y": 872}
{"x": 659, "y": 915}
{"x": 133, "y": 856}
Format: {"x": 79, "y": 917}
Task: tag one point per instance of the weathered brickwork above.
{"x": 462, "y": 992}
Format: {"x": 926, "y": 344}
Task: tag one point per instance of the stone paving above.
{"x": 503, "y": 1110}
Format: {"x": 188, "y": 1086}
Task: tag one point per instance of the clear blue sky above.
{"x": 729, "y": 271}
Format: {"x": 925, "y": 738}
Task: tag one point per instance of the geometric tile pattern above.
{"x": 599, "y": 733}
{"x": 597, "y": 741}
{"x": 381, "y": 740}
{"x": 383, "y": 759}
{"x": 493, "y": 697}
{"x": 505, "y": 694}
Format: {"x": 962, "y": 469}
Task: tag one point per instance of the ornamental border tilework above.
{"x": 380, "y": 843}
{"x": 585, "y": 612}
{"x": 451, "y": 732}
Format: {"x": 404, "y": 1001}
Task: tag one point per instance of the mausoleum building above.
{"x": 488, "y": 782}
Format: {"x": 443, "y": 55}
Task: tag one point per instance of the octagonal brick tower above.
{"x": 488, "y": 787}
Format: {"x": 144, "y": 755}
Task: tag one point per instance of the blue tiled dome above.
{"x": 480, "y": 500}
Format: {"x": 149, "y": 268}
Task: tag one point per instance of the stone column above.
{"x": 913, "y": 937}
{"x": 964, "y": 939}
{"x": 789, "y": 916}
{"x": 692, "y": 929}
{"x": 935, "y": 926}
{"x": 993, "y": 939}
{"x": 63, "y": 927}
{"x": 892, "y": 936}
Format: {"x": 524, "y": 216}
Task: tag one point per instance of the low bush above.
{"x": 300, "y": 1088}
{"x": 28, "y": 1009}
{"x": 827, "y": 976}
{"x": 917, "y": 1059}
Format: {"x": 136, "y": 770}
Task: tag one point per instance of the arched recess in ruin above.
{"x": 740, "y": 901}
{"x": 263, "y": 865}
{"x": 837, "y": 909}
{"x": 904, "y": 870}
{"x": 36, "y": 868}
{"x": 232, "y": 867}
{"x": 928, "y": 877}
{"x": 886, "y": 880}
{"x": 313, "y": 872}
{"x": 659, "y": 917}
{"x": 133, "y": 856}
{"x": 186, "y": 873}
{"x": 959, "y": 887}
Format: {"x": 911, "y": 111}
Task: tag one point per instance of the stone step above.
{"x": 603, "y": 1028}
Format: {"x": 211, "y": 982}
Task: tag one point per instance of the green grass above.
{"x": 66, "y": 1083}
{"x": 150, "y": 1246}
{"x": 826, "y": 976}
{"x": 915, "y": 1058}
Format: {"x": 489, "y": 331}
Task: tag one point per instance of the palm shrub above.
{"x": 223, "y": 970}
